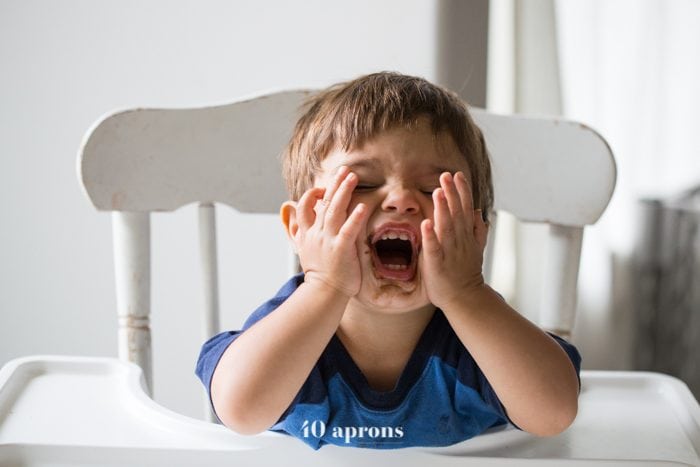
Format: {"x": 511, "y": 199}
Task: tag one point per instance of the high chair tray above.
{"x": 93, "y": 411}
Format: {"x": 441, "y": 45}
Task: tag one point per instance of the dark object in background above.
{"x": 667, "y": 288}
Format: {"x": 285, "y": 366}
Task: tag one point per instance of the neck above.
{"x": 372, "y": 331}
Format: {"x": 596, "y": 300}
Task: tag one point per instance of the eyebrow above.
{"x": 358, "y": 164}
{"x": 374, "y": 163}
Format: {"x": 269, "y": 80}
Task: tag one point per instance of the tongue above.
{"x": 394, "y": 258}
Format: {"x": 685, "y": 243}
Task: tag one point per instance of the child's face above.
{"x": 397, "y": 171}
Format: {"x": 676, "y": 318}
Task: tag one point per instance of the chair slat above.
{"x": 132, "y": 251}
{"x": 210, "y": 277}
{"x": 558, "y": 308}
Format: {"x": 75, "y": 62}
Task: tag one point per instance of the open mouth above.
{"x": 395, "y": 252}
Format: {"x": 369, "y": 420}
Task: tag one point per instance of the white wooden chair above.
{"x": 145, "y": 160}
{"x": 140, "y": 161}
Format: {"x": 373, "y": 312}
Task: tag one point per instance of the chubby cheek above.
{"x": 365, "y": 252}
{"x": 354, "y": 201}
{"x": 427, "y": 208}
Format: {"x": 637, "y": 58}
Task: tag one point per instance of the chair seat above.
{"x": 90, "y": 410}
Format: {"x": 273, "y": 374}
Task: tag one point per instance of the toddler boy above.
{"x": 390, "y": 337}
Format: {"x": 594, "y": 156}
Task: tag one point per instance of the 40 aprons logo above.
{"x": 317, "y": 429}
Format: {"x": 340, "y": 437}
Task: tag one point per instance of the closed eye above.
{"x": 365, "y": 187}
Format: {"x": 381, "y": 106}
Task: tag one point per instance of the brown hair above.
{"x": 348, "y": 114}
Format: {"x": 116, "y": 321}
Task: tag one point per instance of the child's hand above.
{"x": 453, "y": 243}
{"x": 326, "y": 237}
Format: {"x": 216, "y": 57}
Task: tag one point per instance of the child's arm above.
{"x": 530, "y": 372}
{"x": 261, "y": 372}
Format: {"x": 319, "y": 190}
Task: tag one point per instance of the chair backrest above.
{"x": 142, "y": 160}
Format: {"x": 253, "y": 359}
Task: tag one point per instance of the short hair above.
{"x": 348, "y": 114}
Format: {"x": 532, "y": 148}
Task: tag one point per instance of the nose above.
{"x": 401, "y": 200}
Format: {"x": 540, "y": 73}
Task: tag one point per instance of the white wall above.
{"x": 64, "y": 64}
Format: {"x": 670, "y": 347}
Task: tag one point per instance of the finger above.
{"x": 336, "y": 213}
{"x": 355, "y": 223}
{"x": 464, "y": 190}
{"x": 322, "y": 205}
{"x": 305, "y": 207}
{"x": 454, "y": 201}
{"x": 430, "y": 245}
{"x": 444, "y": 228}
{"x": 340, "y": 175}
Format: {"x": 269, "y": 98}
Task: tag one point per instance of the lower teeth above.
{"x": 397, "y": 267}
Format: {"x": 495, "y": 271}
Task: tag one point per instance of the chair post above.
{"x": 132, "y": 262}
{"x": 210, "y": 281}
{"x": 559, "y": 286}
{"x": 208, "y": 257}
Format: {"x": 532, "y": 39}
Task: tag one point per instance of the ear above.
{"x": 288, "y": 215}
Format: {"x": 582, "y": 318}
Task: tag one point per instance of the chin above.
{"x": 391, "y": 295}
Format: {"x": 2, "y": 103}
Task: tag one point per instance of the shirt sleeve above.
{"x": 214, "y": 348}
{"x": 209, "y": 357}
{"x": 489, "y": 395}
{"x": 573, "y": 354}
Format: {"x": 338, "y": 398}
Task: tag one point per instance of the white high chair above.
{"x": 144, "y": 160}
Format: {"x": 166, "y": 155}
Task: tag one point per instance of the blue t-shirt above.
{"x": 441, "y": 398}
